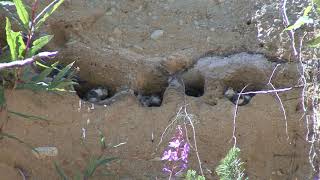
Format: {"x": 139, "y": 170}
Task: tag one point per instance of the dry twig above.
{"x": 19, "y": 63}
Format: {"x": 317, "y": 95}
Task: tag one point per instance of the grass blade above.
{"x": 29, "y": 117}
{"x": 2, "y": 134}
{"x": 78, "y": 176}
{"x": 45, "y": 66}
{"x": 95, "y": 163}
{"x": 60, "y": 171}
{"x": 46, "y": 12}
{"x": 64, "y": 85}
{"x": 32, "y": 86}
{"x": 22, "y": 12}
{"x": 2, "y": 98}
{"x": 63, "y": 72}
{"x": 41, "y": 77}
{"x": 105, "y": 160}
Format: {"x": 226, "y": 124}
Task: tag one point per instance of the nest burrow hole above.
{"x": 86, "y": 90}
{"x": 237, "y": 86}
{"x": 194, "y": 85}
{"x": 151, "y": 96}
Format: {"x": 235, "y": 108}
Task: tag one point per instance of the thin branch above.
{"x": 286, "y": 24}
{"x": 27, "y": 61}
{"x": 193, "y": 129}
{"x": 268, "y": 91}
{"x": 173, "y": 121}
{"x": 187, "y": 135}
{"x": 272, "y": 74}
{"x": 194, "y": 139}
{"x": 301, "y": 70}
{"x": 282, "y": 108}
{"x": 21, "y": 172}
{"x": 45, "y": 10}
{"x": 279, "y": 99}
{"x": 312, "y": 100}
{"x": 235, "y": 117}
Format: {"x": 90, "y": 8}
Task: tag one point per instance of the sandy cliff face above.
{"x": 261, "y": 134}
{"x": 138, "y": 44}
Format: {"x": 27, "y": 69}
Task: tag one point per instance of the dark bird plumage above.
{"x": 233, "y": 97}
{"x": 97, "y": 94}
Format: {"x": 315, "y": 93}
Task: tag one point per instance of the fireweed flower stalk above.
{"x": 176, "y": 154}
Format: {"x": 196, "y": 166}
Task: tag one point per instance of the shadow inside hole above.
{"x": 193, "y": 83}
{"x": 194, "y": 86}
{"x": 195, "y": 91}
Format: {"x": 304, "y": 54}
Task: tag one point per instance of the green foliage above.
{"x": 192, "y": 175}
{"x": 95, "y": 163}
{"x": 305, "y": 19}
{"x": 230, "y": 168}
{"x": 22, "y": 12}
{"x": 102, "y": 140}
{"x": 315, "y": 42}
{"x": 317, "y": 3}
{"x": 46, "y": 81}
{"x": 2, "y": 135}
{"x": 15, "y": 40}
{"x": 28, "y": 117}
{"x": 39, "y": 44}
{"x": 90, "y": 169}
{"x": 60, "y": 171}
{"x": 12, "y": 40}
{"x": 21, "y": 46}
{"x": 43, "y": 16}
{"x": 63, "y": 72}
{"x": 18, "y": 50}
{"x": 2, "y": 99}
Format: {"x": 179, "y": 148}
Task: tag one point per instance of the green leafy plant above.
{"x": 102, "y": 140}
{"x": 23, "y": 49}
{"x": 49, "y": 80}
{"x": 192, "y": 175}
{"x": 89, "y": 171}
{"x": 307, "y": 19}
{"x": 308, "y": 68}
{"x": 304, "y": 19}
{"x": 231, "y": 167}
{"x": 22, "y": 45}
